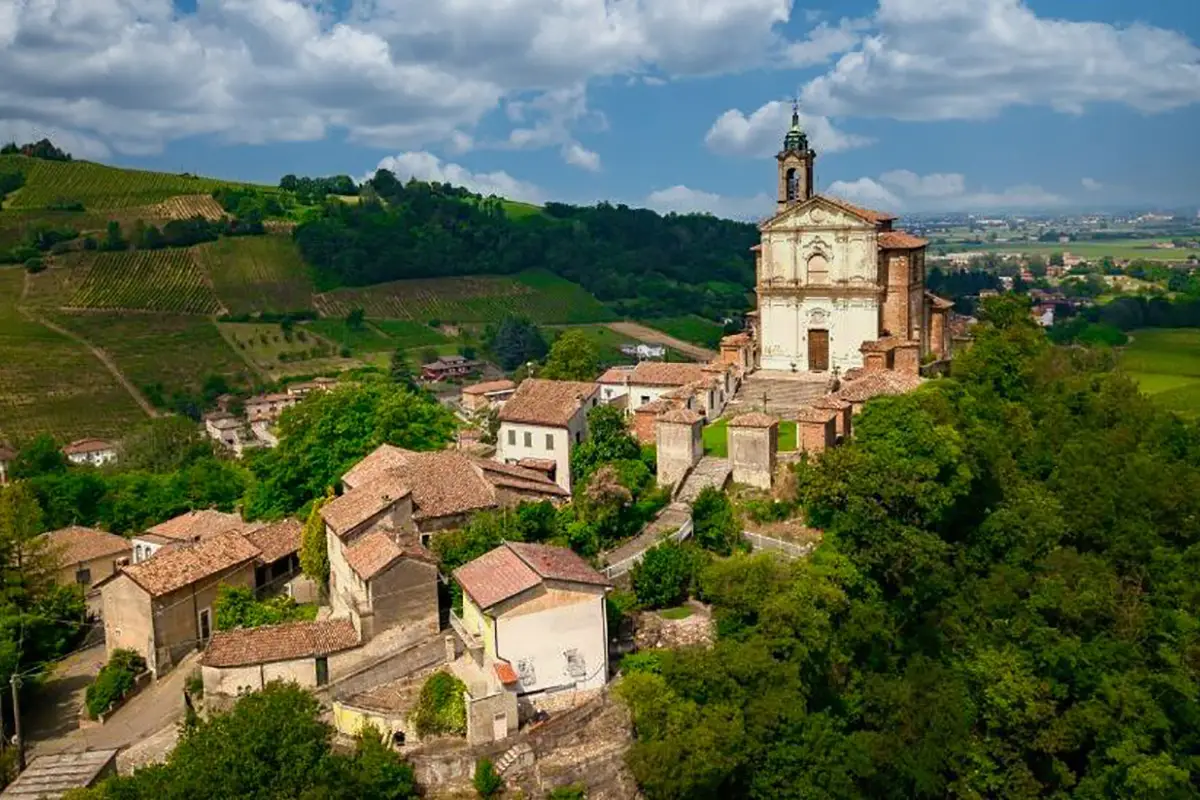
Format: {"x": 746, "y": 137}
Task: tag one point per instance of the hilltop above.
{"x": 157, "y": 291}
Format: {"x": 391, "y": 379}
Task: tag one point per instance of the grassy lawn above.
{"x": 678, "y": 612}
{"x": 50, "y": 383}
{"x": 264, "y": 343}
{"x": 1166, "y": 364}
{"x": 257, "y": 273}
{"x": 407, "y": 334}
{"x": 690, "y": 328}
{"x": 716, "y": 442}
{"x": 364, "y": 339}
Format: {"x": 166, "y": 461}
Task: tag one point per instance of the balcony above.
{"x": 470, "y": 640}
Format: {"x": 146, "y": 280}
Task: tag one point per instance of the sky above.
{"x": 679, "y": 105}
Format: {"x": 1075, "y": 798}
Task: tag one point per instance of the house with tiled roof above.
{"x": 546, "y": 420}
{"x": 489, "y": 394}
{"x": 309, "y": 654}
{"x": 533, "y": 615}
{"x": 278, "y": 546}
{"x": 162, "y": 607}
{"x": 187, "y": 528}
{"x": 705, "y": 388}
{"x": 832, "y": 275}
{"x": 92, "y": 452}
{"x": 87, "y": 556}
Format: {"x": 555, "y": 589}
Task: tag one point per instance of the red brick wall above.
{"x": 907, "y": 358}
{"x": 816, "y": 436}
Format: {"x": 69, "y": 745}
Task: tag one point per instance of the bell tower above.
{"x": 795, "y": 165}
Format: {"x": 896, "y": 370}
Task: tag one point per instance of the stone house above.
{"x": 269, "y": 407}
{"x": 533, "y": 616}
{"x": 378, "y": 582}
{"x": 187, "y": 528}
{"x": 305, "y": 388}
{"x": 545, "y": 420}
{"x": 86, "y": 557}
{"x": 163, "y": 606}
{"x": 489, "y": 394}
{"x": 7, "y": 456}
{"x": 712, "y": 385}
{"x": 93, "y": 452}
{"x": 309, "y": 654}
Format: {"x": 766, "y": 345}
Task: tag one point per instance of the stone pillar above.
{"x": 753, "y": 441}
{"x": 895, "y": 303}
{"x": 680, "y": 445}
{"x": 644, "y": 417}
{"x": 842, "y": 411}
{"x": 907, "y": 357}
{"x": 816, "y": 429}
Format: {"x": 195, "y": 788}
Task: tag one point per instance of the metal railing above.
{"x": 786, "y": 549}
{"x": 626, "y": 564}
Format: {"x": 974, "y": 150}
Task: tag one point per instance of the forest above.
{"x": 1004, "y": 605}
{"x": 640, "y": 262}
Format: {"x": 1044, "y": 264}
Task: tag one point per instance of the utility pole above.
{"x": 15, "y": 681}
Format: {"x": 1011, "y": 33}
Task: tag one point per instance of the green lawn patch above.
{"x": 1165, "y": 362}
{"x": 690, "y": 328}
{"x": 716, "y": 442}
{"x": 406, "y": 335}
{"x": 257, "y": 273}
{"x": 679, "y": 612}
{"x": 363, "y": 339}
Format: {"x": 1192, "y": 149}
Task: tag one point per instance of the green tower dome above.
{"x": 796, "y": 138}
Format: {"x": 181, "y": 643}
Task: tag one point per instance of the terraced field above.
{"x": 267, "y": 346}
{"x": 1166, "y": 364}
{"x": 50, "y": 383}
{"x": 97, "y": 186}
{"x": 540, "y": 296}
{"x": 146, "y": 280}
{"x": 251, "y": 274}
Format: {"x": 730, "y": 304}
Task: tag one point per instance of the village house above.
{"x": 533, "y": 620}
{"x": 269, "y": 407}
{"x": 708, "y": 386}
{"x": 86, "y": 557}
{"x": 278, "y": 562}
{"x": 545, "y": 420}
{"x": 93, "y": 452}
{"x": 163, "y": 606}
{"x": 448, "y": 367}
{"x": 309, "y": 654}
{"x": 7, "y": 457}
{"x": 489, "y": 394}
{"x": 614, "y": 384}
{"x": 378, "y": 574}
{"x": 304, "y": 388}
{"x": 187, "y": 528}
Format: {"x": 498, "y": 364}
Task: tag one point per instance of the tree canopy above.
{"x": 1004, "y": 604}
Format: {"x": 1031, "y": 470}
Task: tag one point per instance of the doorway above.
{"x": 499, "y": 727}
{"x": 818, "y": 350}
{"x": 322, "y": 670}
{"x": 205, "y": 625}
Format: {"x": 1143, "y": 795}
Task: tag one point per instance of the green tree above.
{"x": 515, "y": 342}
{"x": 441, "y": 708}
{"x": 608, "y": 440}
{"x": 401, "y": 371}
{"x": 314, "y": 546}
{"x": 354, "y": 319}
{"x": 237, "y": 607}
{"x": 664, "y": 575}
{"x": 572, "y": 357}
{"x": 715, "y": 526}
{"x": 487, "y": 782}
{"x": 113, "y": 240}
{"x": 163, "y": 444}
{"x": 40, "y": 456}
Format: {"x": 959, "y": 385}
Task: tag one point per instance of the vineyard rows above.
{"x": 186, "y": 206}
{"x": 98, "y": 187}
{"x": 154, "y": 280}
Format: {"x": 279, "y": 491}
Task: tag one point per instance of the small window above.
{"x": 322, "y": 671}
{"x": 528, "y": 439}
{"x": 512, "y": 437}
{"x": 549, "y": 441}
{"x": 578, "y": 437}
{"x": 205, "y": 624}
{"x": 83, "y": 577}
{"x": 576, "y": 664}
{"x": 645, "y": 399}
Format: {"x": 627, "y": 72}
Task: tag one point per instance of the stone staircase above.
{"x": 785, "y": 392}
{"x": 515, "y": 755}
{"x": 710, "y": 471}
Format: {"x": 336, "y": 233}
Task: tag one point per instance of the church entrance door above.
{"x": 818, "y": 350}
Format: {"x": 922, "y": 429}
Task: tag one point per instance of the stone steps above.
{"x": 784, "y": 395}
{"x": 710, "y": 471}
{"x": 511, "y": 756}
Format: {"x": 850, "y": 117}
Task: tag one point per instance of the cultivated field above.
{"x": 407, "y": 335}
{"x": 177, "y": 351}
{"x": 1115, "y": 248}
{"x": 1166, "y": 364}
{"x": 146, "y": 280}
{"x": 257, "y": 273}
{"x": 97, "y": 186}
{"x": 268, "y": 346}
{"x": 690, "y": 328}
{"x": 365, "y": 339}
{"x": 186, "y": 206}
{"x": 540, "y": 296}
{"x": 50, "y": 383}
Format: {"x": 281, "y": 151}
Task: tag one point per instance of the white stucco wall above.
{"x": 535, "y": 636}
{"x": 511, "y": 447}
{"x": 786, "y": 322}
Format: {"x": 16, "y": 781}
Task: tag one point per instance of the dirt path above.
{"x": 99, "y": 354}
{"x": 640, "y": 332}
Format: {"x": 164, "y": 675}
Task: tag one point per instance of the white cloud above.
{"x": 577, "y": 155}
{"x": 761, "y": 133}
{"x": 683, "y": 200}
{"x": 1092, "y": 185}
{"x": 903, "y": 190}
{"x": 970, "y": 59}
{"x": 825, "y": 41}
{"x": 428, "y": 167}
{"x": 556, "y": 114}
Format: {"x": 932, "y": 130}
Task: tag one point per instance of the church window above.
{"x": 792, "y": 176}
{"x": 818, "y": 269}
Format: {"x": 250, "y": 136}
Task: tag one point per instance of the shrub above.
{"x": 34, "y": 265}
{"x": 194, "y": 685}
{"x": 488, "y": 782}
{"x": 441, "y": 708}
{"x": 574, "y": 791}
{"x": 114, "y": 681}
{"x": 664, "y": 576}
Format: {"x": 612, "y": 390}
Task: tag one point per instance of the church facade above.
{"x": 836, "y": 282}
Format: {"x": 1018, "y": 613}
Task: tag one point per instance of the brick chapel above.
{"x": 838, "y": 286}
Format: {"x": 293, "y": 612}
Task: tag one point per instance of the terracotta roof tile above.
{"x": 681, "y": 416}
{"x": 277, "y": 540}
{"x": 831, "y": 402}
{"x": 735, "y": 339}
{"x": 499, "y": 474}
{"x": 899, "y": 240}
{"x": 549, "y": 403}
{"x": 515, "y": 567}
{"x": 875, "y": 384}
{"x": 557, "y": 563}
{"x": 182, "y": 565}
{"x": 489, "y": 386}
{"x": 243, "y": 647}
{"x": 660, "y": 373}
{"x": 198, "y": 525}
{"x": 884, "y": 345}
{"x": 753, "y": 419}
{"x": 375, "y": 464}
{"x": 868, "y": 214}
{"x": 76, "y": 544}
{"x": 615, "y": 375}
{"x": 659, "y": 406}
{"x": 813, "y": 414}
{"x": 362, "y": 502}
{"x": 505, "y": 673}
{"x": 372, "y": 554}
{"x": 87, "y": 446}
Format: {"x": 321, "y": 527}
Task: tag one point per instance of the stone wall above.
{"x": 393, "y": 666}
{"x": 679, "y": 448}
{"x": 752, "y": 452}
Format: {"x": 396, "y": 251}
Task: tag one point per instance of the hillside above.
{"x": 93, "y": 338}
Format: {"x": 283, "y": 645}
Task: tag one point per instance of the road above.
{"x": 640, "y": 332}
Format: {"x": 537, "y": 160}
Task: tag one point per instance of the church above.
{"x": 838, "y": 286}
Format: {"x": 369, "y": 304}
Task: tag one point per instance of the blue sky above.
{"x": 678, "y": 104}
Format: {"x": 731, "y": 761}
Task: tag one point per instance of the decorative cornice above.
{"x": 803, "y": 291}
